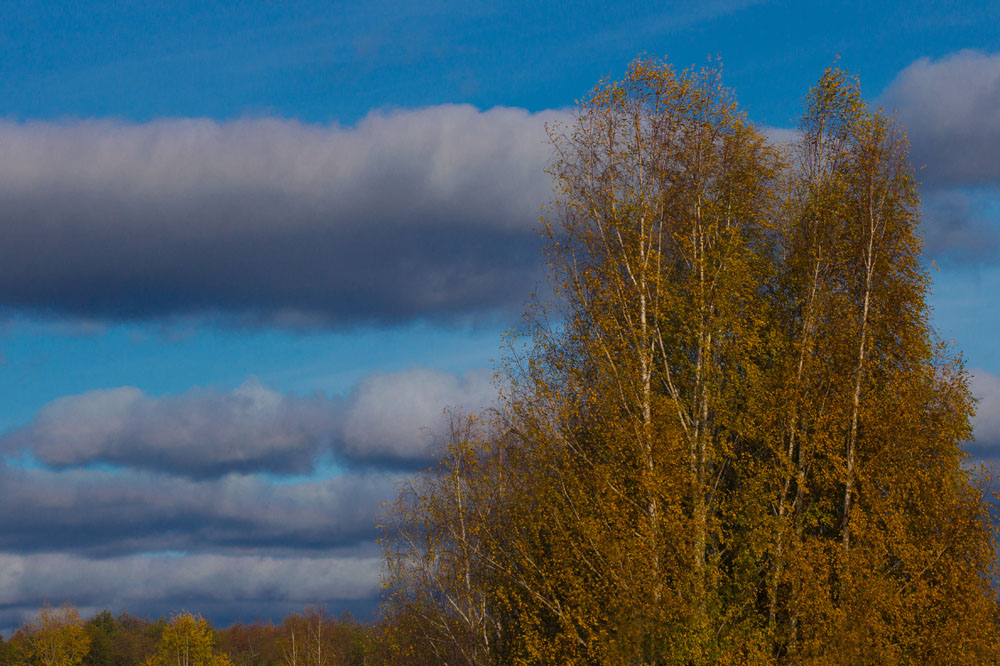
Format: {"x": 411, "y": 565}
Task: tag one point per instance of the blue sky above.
{"x": 249, "y": 252}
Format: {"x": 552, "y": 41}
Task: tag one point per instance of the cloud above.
{"x": 188, "y": 520}
{"x": 201, "y": 433}
{"x": 390, "y": 413}
{"x": 105, "y": 513}
{"x": 225, "y": 587}
{"x": 985, "y": 386}
{"x": 388, "y": 420}
{"x": 951, "y": 110}
{"x": 957, "y": 227}
{"x": 415, "y": 214}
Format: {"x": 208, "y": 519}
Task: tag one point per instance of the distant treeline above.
{"x": 60, "y": 637}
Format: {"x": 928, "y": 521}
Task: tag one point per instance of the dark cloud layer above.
{"x": 105, "y": 513}
{"x": 951, "y": 109}
{"x": 415, "y": 214}
{"x": 224, "y": 587}
{"x": 387, "y": 421}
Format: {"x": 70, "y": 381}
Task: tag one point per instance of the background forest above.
{"x": 60, "y": 637}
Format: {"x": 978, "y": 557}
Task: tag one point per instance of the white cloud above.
{"x": 951, "y": 110}
{"x": 388, "y": 420}
{"x": 158, "y": 585}
{"x": 397, "y": 415}
{"x": 201, "y": 433}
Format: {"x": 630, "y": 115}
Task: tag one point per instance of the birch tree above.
{"x": 733, "y": 437}
{"x": 55, "y": 637}
{"x": 188, "y": 640}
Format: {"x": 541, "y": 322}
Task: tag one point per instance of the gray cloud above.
{"x": 397, "y": 415}
{"x": 412, "y": 214}
{"x": 951, "y": 110}
{"x": 102, "y": 513}
{"x": 226, "y": 587}
{"x": 986, "y": 424}
{"x": 957, "y": 227}
{"x": 200, "y": 433}
{"x": 387, "y": 420}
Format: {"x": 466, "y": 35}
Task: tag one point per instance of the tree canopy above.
{"x": 55, "y": 637}
{"x": 188, "y": 640}
{"x": 734, "y": 436}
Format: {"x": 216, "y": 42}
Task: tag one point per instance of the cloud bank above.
{"x": 415, "y": 214}
{"x": 151, "y": 503}
{"x": 387, "y": 421}
{"x": 226, "y": 587}
{"x": 950, "y": 108}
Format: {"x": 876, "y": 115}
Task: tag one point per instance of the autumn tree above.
{"x": 435, "y": 557}
{"x": 880, "y": 523}
{"x": 7, "y": 655}
{"x": 125, "y": 640}
{"x": 188, "y": 640}
{"x": 55, "y": 637}
{"x": 738, "y": 441}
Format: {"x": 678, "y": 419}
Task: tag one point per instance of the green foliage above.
{"x": 7, "y": 653}
{"x": 122, "y": 641}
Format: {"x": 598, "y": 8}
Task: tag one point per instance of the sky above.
{"x": 249, "y": 252}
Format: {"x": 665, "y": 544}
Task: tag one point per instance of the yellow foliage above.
{"x": 55, "y": 638}
{"x": 188, "y": 640}
{"x": 740, "y": 440}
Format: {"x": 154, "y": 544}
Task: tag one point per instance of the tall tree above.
{"x": 740, "y": 440}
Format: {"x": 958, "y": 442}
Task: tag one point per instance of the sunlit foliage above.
{"x": 733, "y": 437}
{"x": 55, "y": 637}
